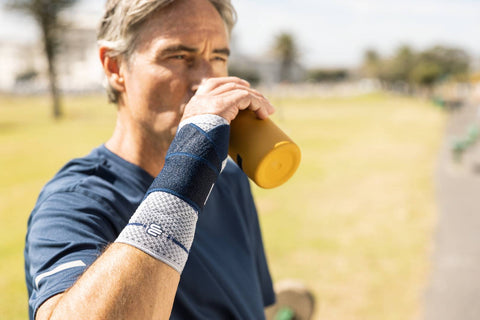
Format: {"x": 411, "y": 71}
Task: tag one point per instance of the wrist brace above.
{"x": 163, "y": 225}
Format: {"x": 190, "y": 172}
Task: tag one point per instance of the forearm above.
{"x": 124, "y": 283}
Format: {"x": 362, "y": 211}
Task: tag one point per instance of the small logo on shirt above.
{"x": 154, "y": 230}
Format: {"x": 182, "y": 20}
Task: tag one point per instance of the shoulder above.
{"x": 73, "y": 174}
{"x": 93, "y": 187}
{"x": 101, "y": 176}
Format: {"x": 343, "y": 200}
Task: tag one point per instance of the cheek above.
{"x": 220, "y": 70}
{"x": 178, "y": 91}
{"x": 155, "y": 88}
{"x": 148, "y": 84}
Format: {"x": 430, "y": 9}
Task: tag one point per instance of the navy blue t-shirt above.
{"x": 90, "y": 200}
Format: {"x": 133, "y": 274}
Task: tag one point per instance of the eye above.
{"x": 219, "y": 58}
{"x": 178, "y": 57}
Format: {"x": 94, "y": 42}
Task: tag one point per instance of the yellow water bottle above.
{"x": 263, "y": 151}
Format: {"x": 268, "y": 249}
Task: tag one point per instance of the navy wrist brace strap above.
{"x": 164, "y": 224}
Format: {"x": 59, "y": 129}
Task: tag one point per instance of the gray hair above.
{"x": 123, "y": 18}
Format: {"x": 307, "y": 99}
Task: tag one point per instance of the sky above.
{"x": 329, "y": 33}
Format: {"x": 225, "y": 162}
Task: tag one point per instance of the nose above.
{"x": 201, "y": 70}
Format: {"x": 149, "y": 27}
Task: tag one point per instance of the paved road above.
{"x": 454, "y": 289}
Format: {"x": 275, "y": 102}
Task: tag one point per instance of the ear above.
{"x": 112, "y": 68}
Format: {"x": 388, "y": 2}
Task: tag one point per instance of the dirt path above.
{"x": 454, "y": 289}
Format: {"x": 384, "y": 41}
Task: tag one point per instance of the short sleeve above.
{"x": 66, "y": 235}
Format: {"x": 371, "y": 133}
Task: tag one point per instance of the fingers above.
{"x": 250, "y": 99}
{"x": 225, "y": 96}
{"x": 257, "y": 102}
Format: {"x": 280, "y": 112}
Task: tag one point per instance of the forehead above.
{"x": 184, "y": 20}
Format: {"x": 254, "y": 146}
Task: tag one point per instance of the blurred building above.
{"x": 266, "y": 71}
{"x": 18, "y": 62}
{"x": 24, "y": 65}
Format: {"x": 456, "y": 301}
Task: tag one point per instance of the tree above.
{"x": 452, "y": 62}
{"x": 426, "y": 73}
{"x": 410, "y": 69}
{"x": 46, "y": 13}
{"x": 371, "y": 63}
{"x": 401, "y": 64}
{"x": 438, "y": 64}
{"x": 285, "y": 49}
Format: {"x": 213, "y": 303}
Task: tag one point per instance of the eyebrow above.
{"x": 224, "y": 51}
{"x": 177, "y": 48}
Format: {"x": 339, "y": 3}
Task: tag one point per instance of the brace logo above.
{"x": 154, "y": 230}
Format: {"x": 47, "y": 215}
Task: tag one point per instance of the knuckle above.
{"x": 244, "y": 93}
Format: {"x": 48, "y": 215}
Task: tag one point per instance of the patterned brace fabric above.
{"x": 164, "y": 224}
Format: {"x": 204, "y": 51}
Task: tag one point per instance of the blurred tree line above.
{"x": 406, "y": 70}
{"x": 417, "y": 69}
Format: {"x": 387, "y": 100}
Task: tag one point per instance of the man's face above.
{"x": 177, "y": 47}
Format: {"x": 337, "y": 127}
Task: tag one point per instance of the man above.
{"x": 90, "y": 252}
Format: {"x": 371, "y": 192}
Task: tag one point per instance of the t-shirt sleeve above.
{"x": 66, "y": 235}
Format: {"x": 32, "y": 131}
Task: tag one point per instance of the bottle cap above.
{"x": 262, "y": 150}
{"x": 278, "y": 165}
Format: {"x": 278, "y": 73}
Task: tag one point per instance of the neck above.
{"x": 139, "y": 147}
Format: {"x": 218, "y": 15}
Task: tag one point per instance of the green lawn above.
{"x": 354, "y": 224}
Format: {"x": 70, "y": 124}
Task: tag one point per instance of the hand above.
{"x": 225, "y": 97}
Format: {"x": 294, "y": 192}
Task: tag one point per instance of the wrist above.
{"x": 164, "y": 224}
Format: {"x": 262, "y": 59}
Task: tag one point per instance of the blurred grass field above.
{"x": 354, "y": 224}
